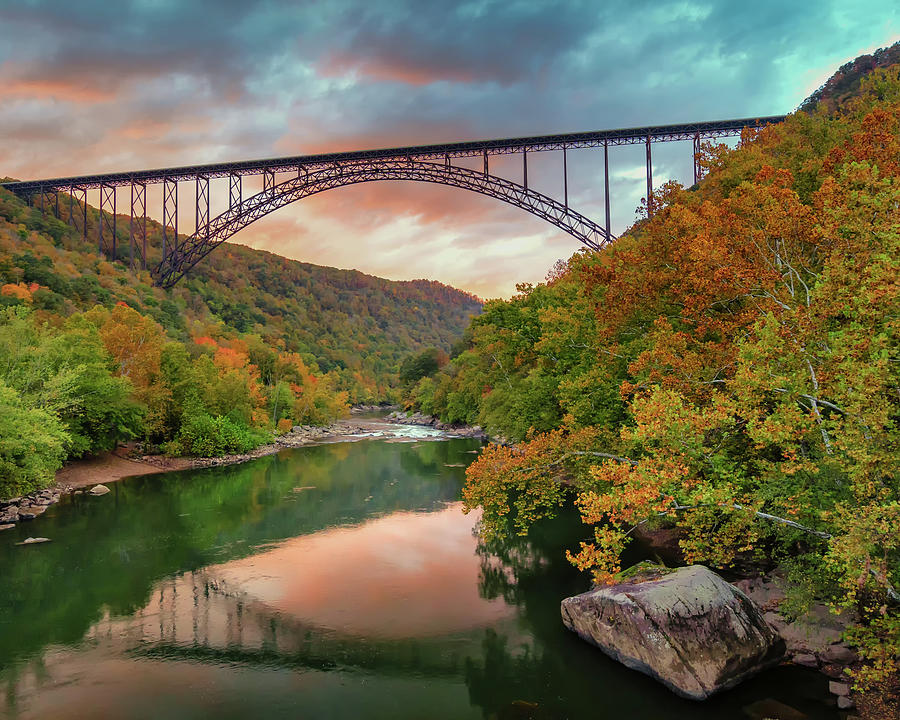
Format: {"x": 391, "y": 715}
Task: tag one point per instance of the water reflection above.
{"x": 336, "y": 581}
{"x": 404, "y": 575}
{"x": 107, "y": 553}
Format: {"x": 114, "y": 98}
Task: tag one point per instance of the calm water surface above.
{"x": 336, "y": 581}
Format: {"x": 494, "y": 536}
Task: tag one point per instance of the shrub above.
{"x": 203, "y": 435}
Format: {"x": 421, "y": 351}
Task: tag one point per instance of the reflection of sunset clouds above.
{"x": 404, "y": 575}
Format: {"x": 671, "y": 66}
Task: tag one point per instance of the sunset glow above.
{"x": 129, "y": 86}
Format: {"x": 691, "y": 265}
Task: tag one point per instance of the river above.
{"x": 334, "y": 581}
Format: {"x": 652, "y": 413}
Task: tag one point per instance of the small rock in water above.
{"x": 305, "y": 487}
{"x": 33, "y": 541}
{"x": 99, "y": 490}
{"x": 7, "y": 526}
{"x": 769, "y": 709}
{"x": 521, "y": 709}
{"x": 27, "y": 516}
{"x": 806, "y": 660}
{"x": 838, "y": 688}
{"x": 845, "y": 703}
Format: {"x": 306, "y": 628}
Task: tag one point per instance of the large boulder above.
{"x": 688, "y": 628}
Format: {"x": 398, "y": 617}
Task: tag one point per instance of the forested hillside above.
{"x": 354, "y": 326}
{"x": 357, "y": 326}
{"x": 730, "y": 366}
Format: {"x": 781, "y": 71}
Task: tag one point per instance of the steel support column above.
{"x": 565, "y": 180}
{"x": 56, "y": 202}
{"x": 201, "y": 211}
{"x": 525, "y": 168}
{"x": 170, "y": 219}
{"x": 71, "y": 218}
{"x": 606, "y": 182}
{"x": 137, "y": 227}
{"x": 42, "y": 199}
{"x": 486, "y": 167}
{"x": 649, "y": 180}
{"x": 234, "y": 190}
{"x": 696, "y": 158}
{"x": 82, "y": 192}
{"x": 106, "y": 224}
{"x": 268, "y": 182}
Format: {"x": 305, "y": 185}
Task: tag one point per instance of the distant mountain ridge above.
{"x": 355, "y": 324}
{"x": 845, "y": 81}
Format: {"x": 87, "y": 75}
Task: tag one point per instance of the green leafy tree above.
{"x": 32, "y": 445}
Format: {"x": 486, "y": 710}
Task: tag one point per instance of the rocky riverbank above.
{"x": 814, "y": 639}
{"x": 402, "y": 418}
{"x": 27, "y": 507}
{"x": 687, "y": 628}
{"x": 125, "y": 462}
{"x": 359, "y": 409}
{"x": 298, "y": 436}
{"x": 715, "y": 636}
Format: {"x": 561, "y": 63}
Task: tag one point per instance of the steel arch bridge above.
{"x": 312, "y": 174}
{"x": 218, "y": 230}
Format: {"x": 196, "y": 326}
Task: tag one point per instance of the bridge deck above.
{"x": 625, "y": 136}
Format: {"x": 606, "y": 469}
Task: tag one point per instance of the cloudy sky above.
{"x": 97, "y": 86}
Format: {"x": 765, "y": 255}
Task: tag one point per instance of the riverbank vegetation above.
{"x": 729, "y": 367}
{"x": 78, "y": 385}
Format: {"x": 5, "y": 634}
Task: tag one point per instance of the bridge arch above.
{"x": 180, "y": 259}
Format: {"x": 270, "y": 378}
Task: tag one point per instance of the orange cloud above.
{"x": 54, "y": 90}
{"x": 376, "y": 203}
{"x": 147, "y": 128}
{"x": 388, "y": 70}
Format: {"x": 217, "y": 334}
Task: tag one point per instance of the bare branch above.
{"x": 789, "y": 523}
{"x": 811, "y": 398}
{"x": 815, "y": 406}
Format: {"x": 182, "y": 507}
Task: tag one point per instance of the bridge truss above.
{"x": 311, "y": 174}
